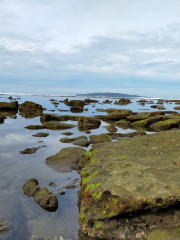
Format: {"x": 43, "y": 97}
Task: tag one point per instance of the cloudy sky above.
{"x": 81, "y": 46}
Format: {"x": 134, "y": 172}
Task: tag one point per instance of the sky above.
{"x": 67, "y": 47}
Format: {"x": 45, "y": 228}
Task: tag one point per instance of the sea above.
{"x": 26, "y": 218}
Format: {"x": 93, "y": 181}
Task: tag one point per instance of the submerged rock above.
{"x": 41, "y": 134}
{"x": 67, "y": 159}
{"x": 4, "y": 225}
{"x": 30, "y": 150}
{"x": 127, "y": 187}
{"x": 67, "y": 133}
{"x": 79, "y": 141}
{"x": 55, "y": 125}
{"x": 88, "y": 123}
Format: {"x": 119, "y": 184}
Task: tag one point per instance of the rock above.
{"x": 88, "y": 101}
{"x": 122, "y": 123}
{"x": 165, "y": 125}
{"x": 35, "y": 127}
{"x": 42, "y": 196}
{"x": 125, "y": 135}
{"x": 4, "y": 225}
{"x": 67, "y": 133}
{"x": 67, "y": 159}
{"x": 142, "y": 116}
{"x": 111, "y": 128}
{"x": 62, "y": 193}
{"x": 52, "y": 184}
{"x": 31, "y": 187}
{"x": 54, "y": 125}
{"x": 30, "y": 150}
{"x": 40, "y": 134}
{"x": 70, "y": 186}
{"x": 117, "y": 115}
{"x": 79, "y": 141}
{"x": 88, "y": 132}
{"x": 101, "y": 110}
{"x": 99, "y": 138}
{"x": 107, "y": 101}
{"x": 2, "y": 119}
{"x": 76, "y": 109}
{"x": 177, "y": 108}
{"x": 86, "y": 109}
{"x": 154, "y": 106}
{"x": 12, "y": 106}
{"x": 46, "y": 199}
{"x": 88, "y": 123}
{"x": 123, "y": 101}
{"x": 131, "y": 184}
{"x": 30, "y": 109}
{"x": 161, "y": 108}
{"x": 52, "y": 117}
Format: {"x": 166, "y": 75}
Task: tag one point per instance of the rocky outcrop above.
{"x": 52, "y": 117}
{"x": 12, "y": 106}
{"x": 67, "y": 159}
{"x": 88, "y": 101}
{"x": 107, "y": 101}
{"x": 125, "y": 135}
{"x": 128, "y": 187}
{"x": 42, "y": 196}
{"x": 30, "y": 109}
{"x": 41, "y": 134}
{"x": 123, "y": 101}
{"x": 117, "y": 115}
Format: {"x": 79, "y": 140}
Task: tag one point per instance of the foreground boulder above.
{"x": 67, "y": 159}
{"x": 42, "y": 196}
{"x": 129, "y": 187}
{"x": 12, "y": 106}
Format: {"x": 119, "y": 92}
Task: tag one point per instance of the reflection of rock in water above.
{"x": 30, "y": 109}
{"x": 31, "y": 150}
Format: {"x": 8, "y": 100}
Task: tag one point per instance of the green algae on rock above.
{"x": 138, "y": 176}
{"x": 99, "y": 138}
{"x": 41, "y": 134}
{"x": 55, "y": 125}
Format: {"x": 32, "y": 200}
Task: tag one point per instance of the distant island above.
{"x": 120, "y": 95}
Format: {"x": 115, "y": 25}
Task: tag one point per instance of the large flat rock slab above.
{"x": 136, "y": 175}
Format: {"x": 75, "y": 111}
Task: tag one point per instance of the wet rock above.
{"x": 107, "y": 101}
{"x": 42, "y": 196}
{"x": 86, "y": 109}
{"x": 176, "y": 108}
{"x": 88, "y": 123}
{"x": 101, "y": 110}
{"x": 31, "y": 187}
{"x": 52, "y": 184}
{"x": 117, "y": 115}
{"x": 125, "y": 135}
{"x": 142, "y": 116}
{"x": 62, "y": 193}
{"x": 165, "y": 125}
{"x": 40, "y": 134}
{"x": 111, "y": 128}
{"x": 79, "y": 141}
{"x": 67, "y": 133}
{"x": 67, "y": 159}
{"x": 130, "y": 186}
{"x": 88, "y": 132}
{"x": 4, "y": 225}
{"x": 61, "y": 110}
{"x": 12, "y": 106}
{"x": 76, "y": 109}
{"x": 70, "y": 186}
{"x": 123, "y": 101}
{"x": 30, "y": 150}
{"x": 94, "y": 139}
{"x": 30, "y": 109}
{"x": 35, "y": 127}
{"x": 122, "y": 123}
{"x": 2, "y": 119}
{"x": 161, "y": 108}
{"x": 55, "y": 125}
{"x": 52, "y": 117}
{"x": 154, "y": 106}
{"x": 88, "y": 101}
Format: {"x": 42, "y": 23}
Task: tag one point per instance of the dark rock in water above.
{"x": 154, "y": 106}
{"x": 67, "y": 133}
{"x": 88, "y": 132}
{"x": 101, "y": 110}
{"x": 88, "y": 101}
{"x": 31, "y": 187}
{"x": 142, "y": 116}
{"x": 12, "y": 106}
{"x": 30, "y": 150}
{"x": 131, "y": 186}
{"x": 40, "y": 134}
{"x": 86, "y": 109}
{"x": 76, "y": 109}
{"x": 123, "y": 101}
{"x": 161, "y": 108}
{"x": 52, "y": 117}
{"x": 4, "y": 225}
{"x": 2, "y": 119}
{"x": 88, "y": 123}
{"x": 61, "y": 110}
{"x": 52, "y": 184}
{"x": 42, "y": 196}
{"x": 111, "y": 128}
{"x": 74, "y": 103}
{"x": 46, "y": 199}
{"x": 70, "y": 186}
{"x": 107, "y": 101}
{"x": 55, "y": 125}
{"x": 62, "y": 193}
{"x": 99, "y": 138}
{"x": 30, "y": 109}
{"x": 35, "y": 127}
{"x": 67, "y": 159}
{"x": 79, "y": 141}
{"x": 177, "y": 108}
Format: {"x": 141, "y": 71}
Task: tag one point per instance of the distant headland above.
{"x": 108, "y": 94}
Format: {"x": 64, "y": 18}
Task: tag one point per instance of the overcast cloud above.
{"x": 80, "y": 46}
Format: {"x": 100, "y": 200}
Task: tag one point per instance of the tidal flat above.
{"x": 60, "y": 124}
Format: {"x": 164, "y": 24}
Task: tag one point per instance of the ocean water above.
{"x": 29, "y": 221}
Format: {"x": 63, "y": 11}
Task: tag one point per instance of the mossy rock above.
{"x": 165, "y": 125}
{"x": 117, "y": 115}
{"x": 12, "y": 106}
{"x": 99, "y": 138}
{"x": 41, "y": 134}
{"x": 35, "y": 127}
{"x": 54, "y": 125}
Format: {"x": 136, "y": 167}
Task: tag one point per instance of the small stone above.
{"x": 62, "y": 193}
{"x": 52, "y": 184}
